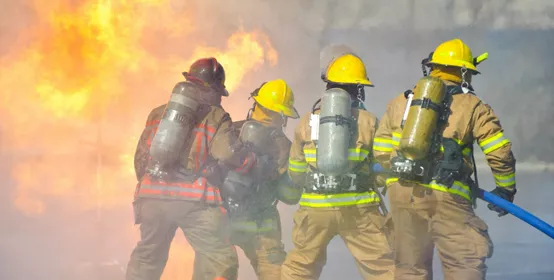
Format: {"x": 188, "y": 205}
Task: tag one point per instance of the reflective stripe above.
{"x": 396, "y": 138}
{"x": 458, "y": 188}
{"x": 357, "y": 154}
{"x": 390, "y": 181}
{"x": 198, "y": 190}
{"x": 310, "y": 155}
{"x": 493, "y": 143}
{"x": 334, "y": 200}
{"x": 204, "y": 134}
{"x": 354, "y": 154}
{"x": 152, "y": 123}
{"x": 382, "y": 145}
{"x": 298, "y": 166}
{"x": 252, "y": 226}
{"x": 508, "y": 180}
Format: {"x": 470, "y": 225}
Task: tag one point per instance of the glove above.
{"x": 505, "y": 194}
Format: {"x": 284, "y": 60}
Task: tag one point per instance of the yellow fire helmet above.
{"x": 276, "y": 96}
{"x": 456, "y": 53}
{"x": 347, "y": 69}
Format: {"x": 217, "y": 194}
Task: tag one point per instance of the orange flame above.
{"x": 77, "y": 90}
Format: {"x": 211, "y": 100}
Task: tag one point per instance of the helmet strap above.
{"x": 361, "y": 93}
{"x": 425, "y": 66}
{"x": 465, "y": 84}
{"x": 284, "y": 118}
{"x": 424, "y": 70}
{"x": 249, "y": 113}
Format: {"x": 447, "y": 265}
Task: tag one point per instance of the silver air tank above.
{"x": 174, "y": 129}
{"x": 256, "y": 136}
{"x": 335, "y": 119}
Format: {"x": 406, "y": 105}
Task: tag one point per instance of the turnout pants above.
{"x": 205, "y": 228}
{"x": 424, "y": 218}
{"x": 362, "y": 229}
{"x": 260, "y": 239}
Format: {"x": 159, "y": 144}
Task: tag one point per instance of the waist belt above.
{"x": 322, "y": 184}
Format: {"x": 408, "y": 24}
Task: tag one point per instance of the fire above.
{"x": 77, "y": 87}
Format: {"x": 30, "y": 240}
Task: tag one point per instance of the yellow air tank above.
{"x": 423, "y": 117}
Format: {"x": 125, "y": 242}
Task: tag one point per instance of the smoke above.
{"x": 390, "y": 37}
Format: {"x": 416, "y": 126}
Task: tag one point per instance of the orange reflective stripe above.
{"x": 151, "y": 123}
{"x": 208, "y": 128}
{"x": 204, "y": 134}
{"x": 197, "y": 190}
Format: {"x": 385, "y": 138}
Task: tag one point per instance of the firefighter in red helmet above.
{"x": 178, "y": 165}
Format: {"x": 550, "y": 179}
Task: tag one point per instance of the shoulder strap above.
{"x": 315, "y": 107}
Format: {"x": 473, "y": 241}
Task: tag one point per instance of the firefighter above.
{"x": 177, "y": 162}
{"x": 254, "y": 219}
{"x": 432, "y": 205}
{"x": 330, "y": 157}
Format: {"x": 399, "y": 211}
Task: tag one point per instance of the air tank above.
{"x": 256, "y": 136}
{"x": 423, "y": 117}
{"x": 174, "y": 129}
{"x": 335, "y": 119}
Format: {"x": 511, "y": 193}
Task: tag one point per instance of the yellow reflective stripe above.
{"x": 382, "y": 145}
{"x": 357, "y": 154}
{"x": 354, "y": 154}
{"x": 390, "y": 181}
{"x": 252, "y": 226}
{"x": 505, "y": 180}
{"x": 310, "y": 155}
{"x": 298, "y": 166}
{"x": 458, "y": 188}
{"x": 494, "y": 142}
{"x": 396, "y": 138}
{"x": 335, "y": 200}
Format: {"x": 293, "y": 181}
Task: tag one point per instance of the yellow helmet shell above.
{"x": 347, "y": 69}
{"x": 454, "y": 53}
{"x": 277, "y": 96}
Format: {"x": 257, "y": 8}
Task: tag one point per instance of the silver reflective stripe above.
{"x": 358, "y": 156}
{"x": 339, "y": 199}
{"x": 493, "y": 143}
{"x": 297, "y": 165}
{"x": 383, "y": 145}
{"x": 311, "y": 156}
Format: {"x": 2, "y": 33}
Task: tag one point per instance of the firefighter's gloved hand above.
{"x": 503, "y": 193}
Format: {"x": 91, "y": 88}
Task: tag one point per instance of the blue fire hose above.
{"x": 513, "y": 209}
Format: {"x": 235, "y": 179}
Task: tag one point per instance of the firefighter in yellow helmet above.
{"x": 432, "y": 204}
{"x": 330, "y": 158}
{"x": 254, "y": 220}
